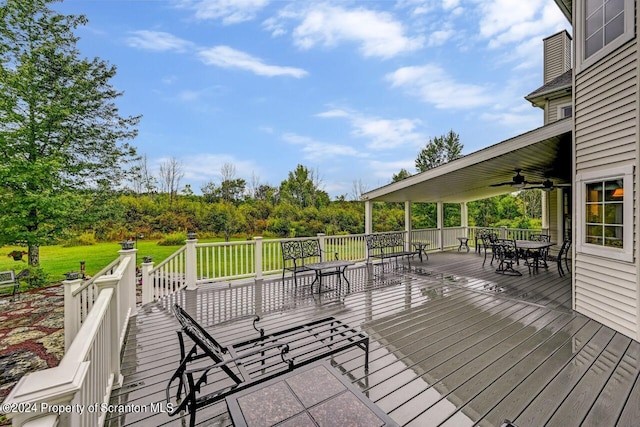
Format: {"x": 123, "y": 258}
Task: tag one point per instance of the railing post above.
{"x": 191, "y": 261}
{"x": 257, "y": 257}
{"x": 127, "y": 292}
{"x": 503, "y": 232}
{"x": 321, "y": 242}
{"x": 71, "y": 310}
{"x": 117, "y": 324}
{"x": 147, "y": 283}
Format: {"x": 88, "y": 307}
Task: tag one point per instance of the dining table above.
{"x": 537, "y": 251}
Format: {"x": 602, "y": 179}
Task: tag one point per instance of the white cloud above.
{"x": 505, "y": 23}
{"x": 433, "y": 85}
{"x": 386, "y": 170}
{"x": 230, "y": 11}
{"x": 315, "y": 150}
{"x": 227, "y": 57}
{"x": 382, "y": 134}
{"x": 157, "y": 41}
{"x": 440, "y": 37}
{"x": 206, "y": 167}
{"x": 378, "y": 34}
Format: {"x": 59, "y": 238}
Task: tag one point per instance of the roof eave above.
{"x": 538, "y": 99}
{"x": 565, "y": 6}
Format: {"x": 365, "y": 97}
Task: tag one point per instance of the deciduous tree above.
{"x": 438, "y": 151}
{"x": 60, "y": 130}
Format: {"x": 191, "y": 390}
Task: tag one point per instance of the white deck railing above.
{"x": 200, "y": 263}
{"x": 77, "y": 391}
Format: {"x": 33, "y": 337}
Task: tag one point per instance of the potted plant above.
{"x": 17, "y": 255}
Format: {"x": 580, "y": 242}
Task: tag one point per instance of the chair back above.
{"x": 199, "y": 336}
{"x": 564, "y": 249}
{"x": 310, "y": 248}
{"x": 291, "y": 249}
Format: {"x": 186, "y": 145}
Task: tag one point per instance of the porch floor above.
{"x": 452, "y": 343}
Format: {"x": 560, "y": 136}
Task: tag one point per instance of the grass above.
{"x": 57, "y": 260}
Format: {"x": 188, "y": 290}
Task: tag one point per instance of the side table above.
{"x": 464, "y": 243}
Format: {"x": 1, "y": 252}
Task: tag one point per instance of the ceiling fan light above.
{"x": 518, "y": 184}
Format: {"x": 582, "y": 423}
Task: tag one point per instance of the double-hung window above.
{"x": 602, "y": 26}
{"x": 607, "y": 211}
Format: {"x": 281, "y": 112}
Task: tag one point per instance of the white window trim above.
{"x": 628, "y": 34}
{"x": 621, "y": 172}
{"x": 560, "y": 107}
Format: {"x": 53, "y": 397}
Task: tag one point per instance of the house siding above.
{"x": 552, "y": 108}
{"x": 557, "y": 56}
{"x": 605, "y": 115}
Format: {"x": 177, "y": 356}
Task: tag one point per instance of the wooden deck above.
{"x": 452, "y": 343}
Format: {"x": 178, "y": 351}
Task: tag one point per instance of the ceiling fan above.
{"x": 547, "y": 185}
{"x": 517, "y": 181}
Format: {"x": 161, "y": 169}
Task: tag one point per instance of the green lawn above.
{"x": 57, "y": 260}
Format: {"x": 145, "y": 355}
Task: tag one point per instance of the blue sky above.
{"x": 350, "y": 89}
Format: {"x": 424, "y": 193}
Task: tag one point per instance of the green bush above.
{"x": 85, "y": 239}
{"x": 36, "y": 278}
{"x": 173, "y": 239}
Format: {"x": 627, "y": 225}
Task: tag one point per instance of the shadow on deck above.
{"x": 452, "y": 343}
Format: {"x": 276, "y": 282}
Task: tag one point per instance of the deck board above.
{"x": 452, "y": 343}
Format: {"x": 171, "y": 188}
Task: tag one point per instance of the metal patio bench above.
{"x": 8, "y": 279}
{"x": 388, "y": 245}
{"x": 244, "y": 364}
{"x": 296, "y": 252}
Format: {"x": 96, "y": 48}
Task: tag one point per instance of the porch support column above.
{"x": 440, "y": 224}
{"x": 560, "y": 215}
{"x": 464, "y": 218}
{"x": 407, "y": 225}
{"x": 545, "y": 217}
{"x": 368, "y": 217}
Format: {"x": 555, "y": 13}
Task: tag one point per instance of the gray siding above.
{"x": 552, "y": 108}
{"x": 557, "y": 56}
{"x": 606, "y": 135}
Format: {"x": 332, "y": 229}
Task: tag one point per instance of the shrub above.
{"x": 173, "y": 239}
{"x": 85, "y": 239}
{"x": 36, "y": 278}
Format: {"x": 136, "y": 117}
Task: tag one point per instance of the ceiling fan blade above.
{"x": 502, "y": 183}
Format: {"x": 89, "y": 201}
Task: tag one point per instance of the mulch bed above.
{"x": 31, "y": 334}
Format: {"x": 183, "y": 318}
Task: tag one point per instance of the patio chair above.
{"x": 489, "y": 240}
{"x": 507, "y": 253}
{"x": 243, "y": 364}
{"x": 562, "y": 257}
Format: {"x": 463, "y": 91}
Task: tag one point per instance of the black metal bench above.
{"x": 296, "y": 252}
{"x": 244, "y": 364}
{"x": 8, "y": 279}
{"x": 387, "y": 245}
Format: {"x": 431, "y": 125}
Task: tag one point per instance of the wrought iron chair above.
{"x": 489, "y": 240}
{"x": 507, "y": 253}
{"x": 562, "y": 257}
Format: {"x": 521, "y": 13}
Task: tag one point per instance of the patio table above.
{"x": 534, "y": 247}
{"x": 316, "y": 394}
{"x": 329, "y": 268}
{"x": 421, "y": 248}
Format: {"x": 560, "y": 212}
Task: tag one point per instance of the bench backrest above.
{"x": 6, "y": 277}
{"x": 300, "y": 249}
{"x": 199, "y": 336}
{"x": 385, "y": 241}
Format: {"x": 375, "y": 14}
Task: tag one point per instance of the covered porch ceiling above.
{"x": 541, "y": 153}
